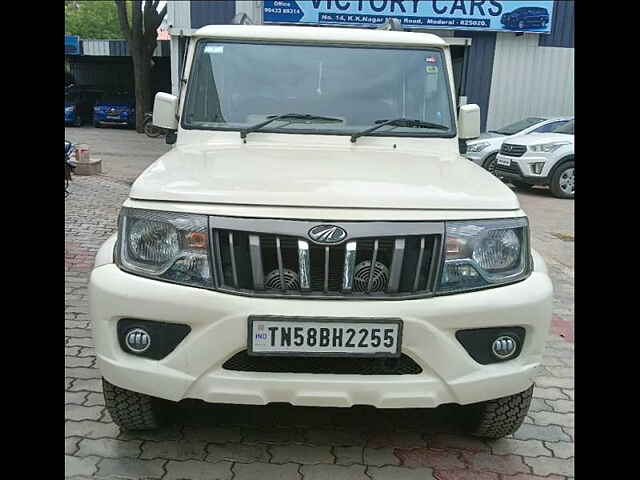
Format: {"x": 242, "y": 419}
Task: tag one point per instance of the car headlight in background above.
{"x": 69, "y": 109}
{"x": 164, "y": 245}
{"x": 485, "y": 253}
{"x": 477, "y": 147}
{"x": 547, "y": 147}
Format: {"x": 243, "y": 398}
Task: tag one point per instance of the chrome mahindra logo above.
{"x": 327, "y": 234}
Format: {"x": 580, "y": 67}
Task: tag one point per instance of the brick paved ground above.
{"x": 283, "y": 442}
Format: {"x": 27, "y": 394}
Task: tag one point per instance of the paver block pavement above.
{"x": 131, "y": 468}
{"x": 547, "y": 465}
{"x": 236, "y": 452}
{"x": 334, "y": 472}
{"x": 197, "y": 470}
{"x": 108, "y": 447}
{"x": 379, "y": 457}
{"x": 174, "y": 450}
{"x": 399, "y": 473}
{"x": 302, "y": 454}
{"x": 348, "y": 455}
{"x": 262, "y": 471}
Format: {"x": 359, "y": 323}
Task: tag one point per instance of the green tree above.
{"x": 141, "y": 33}
{"x": 91, "y": 19}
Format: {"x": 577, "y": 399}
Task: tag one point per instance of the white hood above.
{"x": 343, "y": 176}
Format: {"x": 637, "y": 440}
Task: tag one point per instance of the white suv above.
{"x": 315, "y": 237}
{"x": 540, "y": 159}
{"x": 485, "y": 148}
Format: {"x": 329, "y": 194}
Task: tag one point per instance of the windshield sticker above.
{"x": 213, "y": 49}
{"x": 432, "y": 69}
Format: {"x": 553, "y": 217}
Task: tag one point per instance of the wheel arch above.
{"x": 559, "y": 163}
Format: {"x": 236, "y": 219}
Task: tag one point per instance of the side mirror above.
{"x": 468, "y": 122}
{"x": 165, "y": 108}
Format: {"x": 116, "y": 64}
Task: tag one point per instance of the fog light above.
{"x": 504, "y": 347}
{"x": 138, "y": 340}
{"x": 537, "y": 167}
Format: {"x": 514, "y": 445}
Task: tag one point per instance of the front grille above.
{"x": 513, "y": 150}
{"x": 277, "y": 257}
{"x": 403, "y": 365}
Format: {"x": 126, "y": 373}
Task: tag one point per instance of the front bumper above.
{"x": 517, "y": 168}
{"x": 218, "y": 324}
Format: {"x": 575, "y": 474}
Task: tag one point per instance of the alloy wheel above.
{"x": 568, "y": 181}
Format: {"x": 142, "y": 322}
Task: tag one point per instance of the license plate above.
{"x": 503, "y": 161}
{"x": 113, "y": 117}
{"x": 313, "y": 336}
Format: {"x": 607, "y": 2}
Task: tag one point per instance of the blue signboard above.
{"x": 488, "y": 15}
{"x": 71, "y": 45}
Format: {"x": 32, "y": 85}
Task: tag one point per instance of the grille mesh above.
{"x": 403, "y": 365}
{"x": 513, "y": 150}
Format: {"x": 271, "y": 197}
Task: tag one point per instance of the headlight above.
{"x": 168, "y": 246}
{"x": 69, "y": 109}
{"x": 547, "y": 147}
{"x": 484, "y": 253}
{"x": 477, "y": 147}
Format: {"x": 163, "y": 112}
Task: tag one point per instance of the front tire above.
{"x": 131, "y": 410}
{"x": 563, "y": 181}
{"x": 490, "y": 164}
{"x": 497, "y": 418}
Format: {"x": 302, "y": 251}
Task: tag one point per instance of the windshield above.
{"x": 566, "y": 128}
{"x": 514, "y": 128}
{"x": 237, "y": 85}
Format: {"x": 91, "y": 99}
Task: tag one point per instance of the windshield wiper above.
{"x": 398, "y": 122}
{"x": 284, "y": 116}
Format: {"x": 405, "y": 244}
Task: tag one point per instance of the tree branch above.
{"x": 122, "y": 18}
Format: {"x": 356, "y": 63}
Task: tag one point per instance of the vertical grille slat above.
{"x": 232, "y": 253}
{"x": 419, "y": 265}
{"x": 284, "y": 261}
{"x": 283, "y": 285}
{"x": 255, "y": 253}
{"x": 374, "y": 258}
{"x": 218, "y": 255}
{"x": 326, "y": 269}
{"x": 350, "y": 251}
{"x": 433, "y": 266}
{"x": 304, "y": 265}
{"x": 396, "y": 265}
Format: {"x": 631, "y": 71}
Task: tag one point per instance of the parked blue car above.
{"x": 526, "y": 17}
{"x": 115, "y": 110}
{"x": 78, "y": 104}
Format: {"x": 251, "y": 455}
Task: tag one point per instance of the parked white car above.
{"x": 485, "y": 148}
{"x": 315, "y": 237}
{"x": 540, "y": 159}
